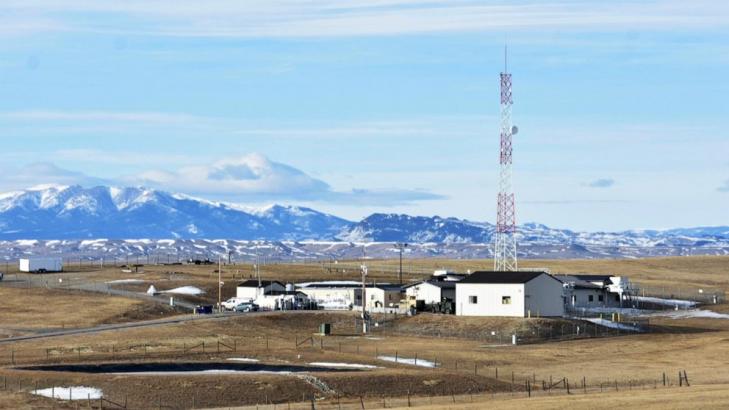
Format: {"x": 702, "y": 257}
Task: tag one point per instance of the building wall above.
{"x": 489, "y": 299}
{"x": 425, "y": 292}
{"x": 377, "y": 297}
{"x": 543, "y": 297}
{"x": 578, "y": 298}
{"x": 335, "y": 298}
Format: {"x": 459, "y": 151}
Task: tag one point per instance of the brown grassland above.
{"x": 468, "y": 365}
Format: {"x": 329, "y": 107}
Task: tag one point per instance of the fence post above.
{"x": 685, "y": 378}
{"x": 664, "y": 379}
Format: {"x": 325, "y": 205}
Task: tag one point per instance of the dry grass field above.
{"x": 31, "y": 309}
{"x": 467, "y": 364}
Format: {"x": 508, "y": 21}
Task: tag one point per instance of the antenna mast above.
{"x": 505, "y": 243}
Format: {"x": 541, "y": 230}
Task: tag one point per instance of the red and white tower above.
{"x": 505, "y": 243}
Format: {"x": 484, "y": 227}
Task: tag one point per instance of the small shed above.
{"x": 514, "y": 294}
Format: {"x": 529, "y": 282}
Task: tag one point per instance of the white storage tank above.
{"x": 40, "y": 265}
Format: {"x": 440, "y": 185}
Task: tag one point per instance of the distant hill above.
{"x": 69, "y": 213}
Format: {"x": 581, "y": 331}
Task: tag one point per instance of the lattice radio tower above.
{"x": 505, "y": 244}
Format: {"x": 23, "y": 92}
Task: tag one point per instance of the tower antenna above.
{"x": 505, "y": 241}
{"x": 505, "y": 58}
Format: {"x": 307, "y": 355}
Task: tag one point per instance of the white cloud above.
{"x": 104, "y": 116}
{"x": 250, "y": 178}
{"x": 45, "y": 173}
{"x": 254, "y": 177}
{"x": 292, "y": 18}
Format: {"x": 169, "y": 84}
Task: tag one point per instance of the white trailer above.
{"x": 39, "y": 265}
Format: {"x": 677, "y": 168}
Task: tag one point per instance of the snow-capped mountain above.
{"x": 405, "y": 228}
{"x": 74, "y": 212}
{"x": 71, "y": 219}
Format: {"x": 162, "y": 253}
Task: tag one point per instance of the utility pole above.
{"x": 220, "y": 283}
{"x": 364, "y": 298}
{"x": 401, "y": 247}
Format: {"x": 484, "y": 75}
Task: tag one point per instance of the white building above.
{"x": 430, "y": 291}
{"x": 586, "y": 291}
{"x": 379, "y": 296}
{"x": 514, "y": 294}
{"x": 253, "y": 288}
{"x": 40, "y": 265}
{"x": 283, "y": 300}
{"x": 331, "y": 295}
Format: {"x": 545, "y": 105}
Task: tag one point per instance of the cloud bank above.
{"x": 248, "y": 178}
{"x": 328, "y": 18}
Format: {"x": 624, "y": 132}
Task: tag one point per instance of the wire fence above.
{"x": 374, "y": 349}
{"x": 703, "y": 295}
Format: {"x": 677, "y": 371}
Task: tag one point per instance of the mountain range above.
{"x": 75, "y": 215}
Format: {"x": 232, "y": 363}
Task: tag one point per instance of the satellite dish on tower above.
{"x": 514, "y": 130}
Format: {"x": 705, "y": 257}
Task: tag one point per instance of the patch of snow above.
{"x": 185, "y": 290}
{"x": 344, "y": 365}
{"x": 406, "y": 360}
{"x": 243, "y": 359}
{"x": 70, "y": 393}
{"x": 25, "y": 242}
{"x": 693, "y": 313}
{"x": 120, "y": 281}
{"x": 611, "y": 324}
{"x": 666, "y": 302}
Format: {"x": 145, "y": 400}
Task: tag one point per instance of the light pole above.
{"x": 401, "y": 247}
{"x": 220, "y": 283}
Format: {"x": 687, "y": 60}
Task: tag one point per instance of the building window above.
{"x": 617, "y": 298}
{"x": 473, "y": 300}
{"x": 506, "y": 300}
{"x": 590, "y": 298}
{"x": 600, "y": 298}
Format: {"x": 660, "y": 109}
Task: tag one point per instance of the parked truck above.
{"x": 41, "y": 265}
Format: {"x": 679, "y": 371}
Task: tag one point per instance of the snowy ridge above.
{"x": 72, "y": 219}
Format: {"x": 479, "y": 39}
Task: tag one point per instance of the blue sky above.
{"x": 354, "y": 107}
